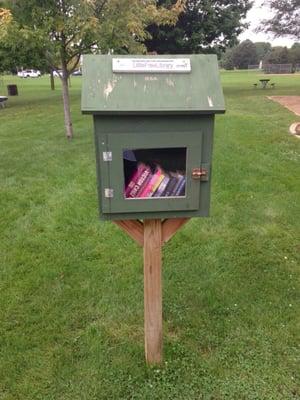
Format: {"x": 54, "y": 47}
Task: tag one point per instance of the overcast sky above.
{"x": 255, "y": 15}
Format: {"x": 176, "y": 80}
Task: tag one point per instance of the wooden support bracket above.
{"x": 134, "y": 228}
{"x": 171, "y": 226}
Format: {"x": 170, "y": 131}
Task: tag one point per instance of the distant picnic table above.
{"x": 3, "y": 99}
{"x": 264, "y": 82}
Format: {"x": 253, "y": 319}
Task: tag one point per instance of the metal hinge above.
{"x": 107, "y": 155}
{"x": 201, "y": 173}
{"x": 108, "y": 193}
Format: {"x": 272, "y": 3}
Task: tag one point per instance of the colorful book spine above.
{"x": 181, "y": 188}
{"x": 157, "y": 184}
{"x": 179, "y": 180}
{"x": 144, "y": 185}
{"x": 139, "y": 183}
{"x": 162, "y": 187}
{"x": 140, "y": 169}
{"x": 170, "y": 186}
{"x": 148, "y": 189}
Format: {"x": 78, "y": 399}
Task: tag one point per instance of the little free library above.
{"x": 153, "y": 126}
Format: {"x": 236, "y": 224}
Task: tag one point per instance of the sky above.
{"x": 254, "y": 16}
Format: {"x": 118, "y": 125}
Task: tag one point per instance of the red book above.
{"x": 148, "y": 189}
{"x": 139, "y": 183}
{"x": 140, "y": 169}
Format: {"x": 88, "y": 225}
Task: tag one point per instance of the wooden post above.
{"x": 153, "y": 290}
{"x": 152, "y": 234}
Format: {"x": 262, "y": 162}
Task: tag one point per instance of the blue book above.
{"x": 170, "y": 186}
{"x": 180, "y": 178}
{"x": 181, "y": 188}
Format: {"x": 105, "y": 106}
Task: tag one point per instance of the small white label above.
{"x": 161, "y": 65}
{"x": 108, "y": 193}
{"x": 107, "y": 156}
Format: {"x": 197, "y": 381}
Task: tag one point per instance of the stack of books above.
{"x": 144, "y": 183}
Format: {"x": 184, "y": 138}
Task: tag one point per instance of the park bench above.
{"x": 3, "y": 99}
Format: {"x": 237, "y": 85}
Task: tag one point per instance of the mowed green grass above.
{"x": 71, "y": 287}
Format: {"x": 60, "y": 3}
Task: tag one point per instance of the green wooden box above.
{"x": 153, "y": 124}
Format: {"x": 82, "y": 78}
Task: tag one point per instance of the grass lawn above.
{"x": 71, "y": 287}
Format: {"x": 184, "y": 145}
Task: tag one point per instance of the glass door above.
{"x": 152, "y": 172}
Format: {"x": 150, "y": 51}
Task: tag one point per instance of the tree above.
{"x": 69, "y": 28}
{"x": 203, "y": 26}
{"x": 226, "y": 61}
{"x": 286, "y": 18}
{"x": 278, "y": 55}
{"x": 244, "y": 54}
{"x": 294, "y": 54}
{"x": 262, "y": 49}
{"x": 19, "y": 49}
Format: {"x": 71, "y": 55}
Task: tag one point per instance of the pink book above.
{"x": 145, "y": 184}
{"x": 139, "y": 183}
{"x": 134, "y": 178}
{"x": 146, "y": 192}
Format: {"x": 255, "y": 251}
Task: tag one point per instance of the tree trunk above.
{"x": 66, "y": 102}
{"x": 64, "y": 83}
{"x": 52, "y": 84}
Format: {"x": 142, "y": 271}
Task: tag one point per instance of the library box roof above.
{"x": 151, "y": 84}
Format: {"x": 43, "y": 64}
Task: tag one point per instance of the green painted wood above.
{"x": 194, "y": 131}
{"x": 152, "y": 110}
{"x": 106, "y": 92}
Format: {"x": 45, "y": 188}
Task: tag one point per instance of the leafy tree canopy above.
{"x": 278, "y": 55}
{"x": 240, "y": 56}
{"x": 204, "y": 26}
{"x": 262, "y": 49}
{"x": 20, "y": 48}
{"x": 285, "y": 20}
{"x": 5, "y": 20}
{"x": 66, "y": 29}
{"x": 244, "y": 54}
{"x": 69, "y": 28}
{"x": 294, "y": 54}
{"x": 248, "y": 53}
{"x": 227, "y": 59}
